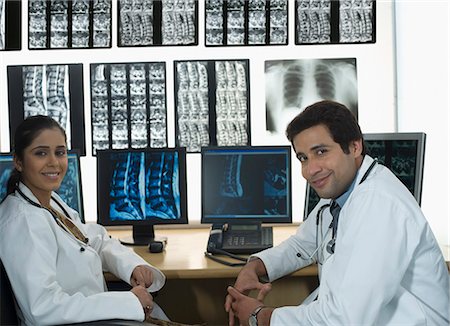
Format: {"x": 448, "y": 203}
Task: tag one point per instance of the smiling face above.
{"x": 44, "y": 164}
{"x": 325, "y": 166}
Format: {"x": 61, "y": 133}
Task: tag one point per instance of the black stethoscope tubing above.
{"x": 333, "y": 224}
{"x": 83, "y": 244}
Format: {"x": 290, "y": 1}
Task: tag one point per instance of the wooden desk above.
{"x": 196, "y": 286}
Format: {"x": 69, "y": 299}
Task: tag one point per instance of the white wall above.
{"x": 422, "y": 64}
{"x": 423, "y": 88}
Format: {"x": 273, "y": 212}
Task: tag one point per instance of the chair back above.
{"x": 8, "y": 315}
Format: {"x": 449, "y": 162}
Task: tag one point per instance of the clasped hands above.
{"x": 141, "y": 279}
{"x": 239, "y": 305}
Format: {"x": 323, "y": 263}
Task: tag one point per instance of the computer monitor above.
{"x": 70, "y": 190}
{"x": 246, "y": 185}
{"x": 142, "y": 188}
{"x": 402, "y": 153}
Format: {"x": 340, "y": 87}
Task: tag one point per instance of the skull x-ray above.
{"x": 69, "y": 24}
{"x": 291, "y": 85}
{"x": 331, "y": 21}
{"x": 216, "y": 114}
{"x": 157, "y": 22}
{"x": 128, "y": 105}
{"x": 226, "y": 22}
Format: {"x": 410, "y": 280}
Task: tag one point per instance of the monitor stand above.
{"x": 143, "y": 235}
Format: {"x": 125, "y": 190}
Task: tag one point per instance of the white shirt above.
{"x": 55, "y": 282}
{"x": 387, "y": 268}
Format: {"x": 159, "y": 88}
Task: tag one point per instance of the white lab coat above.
{"x": 53, "y": 280}
{"x": 387, "y": 268}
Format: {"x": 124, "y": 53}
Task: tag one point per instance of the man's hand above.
{"x": 145, "y": 299}
{"x": 243, "y": 306}
{"x": 248, "y": 279}
{"x": 142, "y": 275}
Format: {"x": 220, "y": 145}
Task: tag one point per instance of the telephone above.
{"x": 239, "y": 238}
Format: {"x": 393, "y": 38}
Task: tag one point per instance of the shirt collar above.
{"x": 343, "y": 198}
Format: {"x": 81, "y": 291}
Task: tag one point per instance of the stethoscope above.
{"x": 334, "y": 223}
{"x": 84, "y": 243}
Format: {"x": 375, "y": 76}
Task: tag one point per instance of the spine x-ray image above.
{"x": 246, "y": 185}
{"x": 291, "y": 85}
{"x": 246, "y": 22}
{"x": 54, "y": 90}
{"x": 330, "y": 21}
{"x": 2, "y": 24}
{"x": 10, "y": 24}
{"x": 212, "y": 104}
{"x": 128, "y": 105}
{"x": 159, "y": 22}
{"x": 69, "y": 24}
{"x": 145, "y": 186}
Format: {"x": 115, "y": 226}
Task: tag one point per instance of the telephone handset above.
{"x": 215, "y": 240}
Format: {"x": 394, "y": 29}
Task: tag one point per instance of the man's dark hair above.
{"x": 336, "y": 117}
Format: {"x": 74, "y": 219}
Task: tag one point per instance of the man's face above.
{"x": 325, "y": 166}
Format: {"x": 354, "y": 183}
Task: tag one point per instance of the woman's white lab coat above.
{"x": 387, "y": 268}
{"x": 54, "y": 280}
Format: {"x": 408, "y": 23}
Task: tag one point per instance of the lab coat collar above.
{"x": 367, "y": 161}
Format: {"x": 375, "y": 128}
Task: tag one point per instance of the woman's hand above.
{"x": 145, "y": 299}
{"x": 142, "y": 275}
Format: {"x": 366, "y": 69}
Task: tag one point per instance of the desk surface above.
{"x": 183, "y": 257}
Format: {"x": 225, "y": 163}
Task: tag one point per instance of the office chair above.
{"x": 8, "y": 314}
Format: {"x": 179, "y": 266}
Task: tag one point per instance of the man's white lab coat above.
{"x": 387, "y": 268}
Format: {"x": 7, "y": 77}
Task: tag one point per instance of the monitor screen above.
{"x": 141, "y": 188}
{"x": 70, "y": 189}
{"x": 402, "y": 153}
{"x": 250, "y": 184}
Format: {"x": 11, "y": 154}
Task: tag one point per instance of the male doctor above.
{"x": 379, "y": 263}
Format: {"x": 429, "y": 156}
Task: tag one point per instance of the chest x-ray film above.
{"x": 292, "y": 85}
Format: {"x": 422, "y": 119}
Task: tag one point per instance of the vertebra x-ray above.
{"x": 330, "y": 21}
{"x": 157, "y": 22}
{"x": 69, "y": 24}
{"x": 215, "y": 114}
{"x": 54, "y": 90}
{"x": 291, "y": 85}
{"x": 10, "y": 24}
{"x": 240, "y": 22}
{"x": 128, "y": 105}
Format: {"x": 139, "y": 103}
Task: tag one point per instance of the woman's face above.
{"x": 44, "y": 164}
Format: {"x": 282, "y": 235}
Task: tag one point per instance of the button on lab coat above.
{"x": 387, "y": 268}
{"x": 53, "y": 279}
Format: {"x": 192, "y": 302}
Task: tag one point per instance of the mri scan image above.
{"x": 157, "y": 22}
{"x": 226, "y": 22}
{"x": 69, "y": 24}
{"x": 208, "y": 116}
{"x": 330, "y": 21}
{"x": 128, "y": 105}
{"x": 145, "y": 186}
{"x": 291, "y": 85}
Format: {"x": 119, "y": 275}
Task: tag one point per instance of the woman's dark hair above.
{"x": 336, "y": 117}
{"x": 26, "y": 132}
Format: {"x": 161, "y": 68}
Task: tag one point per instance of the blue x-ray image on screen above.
{"x": 69, "y": 191}
{"x": 144, "y": 185}
{"x": 247, "y": 183}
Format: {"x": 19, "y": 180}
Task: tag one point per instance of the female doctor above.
{"x": 54, "y": 262}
